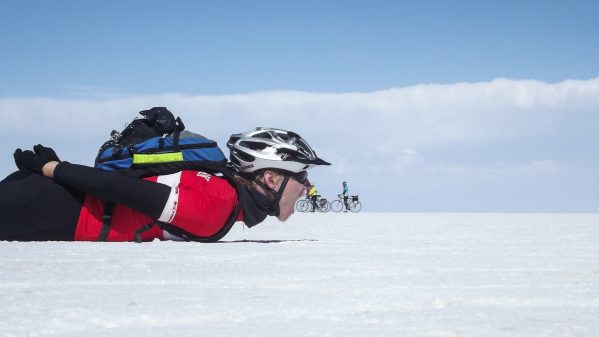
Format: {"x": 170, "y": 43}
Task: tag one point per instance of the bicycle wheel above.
{"x": 324, "y": 206}
{"x": 327, "y": 206}
{"x": 298, "y": 205}
{"x": 336, "y": 206}
{"x": 355, "y": 206}
{"x": 305, "y": 205}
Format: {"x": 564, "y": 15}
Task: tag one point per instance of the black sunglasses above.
{"x": 301, "y": 176}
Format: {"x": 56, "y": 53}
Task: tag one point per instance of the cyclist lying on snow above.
{"x": 52, "y": 200}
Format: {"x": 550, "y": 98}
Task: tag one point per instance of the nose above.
{"x": 305, "y": 190}
{"x": 307, "y": 183}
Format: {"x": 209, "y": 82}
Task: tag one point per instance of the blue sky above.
{"x": 208, "y": 47}
{"x": 452, "y": 106}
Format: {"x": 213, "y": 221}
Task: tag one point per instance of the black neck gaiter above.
{"x": 256, "y": 206}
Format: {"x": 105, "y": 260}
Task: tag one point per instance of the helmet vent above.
{"x": 253, "y": 145}
{"x": 244, "y": 156}
{"x": 264, "y": 135}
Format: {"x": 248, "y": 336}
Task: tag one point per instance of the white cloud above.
{"x": 399, "y": 160}
{"x": 499, "y": 169}
{"x": 358, "y": 129}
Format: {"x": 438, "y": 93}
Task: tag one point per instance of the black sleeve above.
{"x": 142, "y": 195}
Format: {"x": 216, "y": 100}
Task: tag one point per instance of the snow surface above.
{"x": 367, "y": 274}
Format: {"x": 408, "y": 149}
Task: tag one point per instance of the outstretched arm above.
{"x": 142, "y": 195}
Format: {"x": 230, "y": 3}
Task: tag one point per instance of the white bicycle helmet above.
{"x": 264, "y": 148}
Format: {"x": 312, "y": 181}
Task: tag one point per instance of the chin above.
{"x": 284, "y": 217}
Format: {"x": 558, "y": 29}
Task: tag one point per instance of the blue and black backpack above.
{"x": 158, "y": 144}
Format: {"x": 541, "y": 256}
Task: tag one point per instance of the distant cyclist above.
{"x": 345, "y": 195}
{"x": 313, "y": 194}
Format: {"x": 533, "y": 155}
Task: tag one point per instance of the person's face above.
{"x": 293, "y": 192}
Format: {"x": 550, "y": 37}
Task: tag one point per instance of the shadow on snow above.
{"x": 265, "y": 241}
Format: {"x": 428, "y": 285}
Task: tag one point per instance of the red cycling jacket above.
{"x": 199, "y": 203}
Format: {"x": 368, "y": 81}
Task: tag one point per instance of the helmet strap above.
{"x": 277, "y": 194}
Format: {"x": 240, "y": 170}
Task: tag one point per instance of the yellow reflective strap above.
{"x": 156, "y": 158}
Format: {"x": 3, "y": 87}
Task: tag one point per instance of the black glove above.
{"x": 34, "y": 160}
